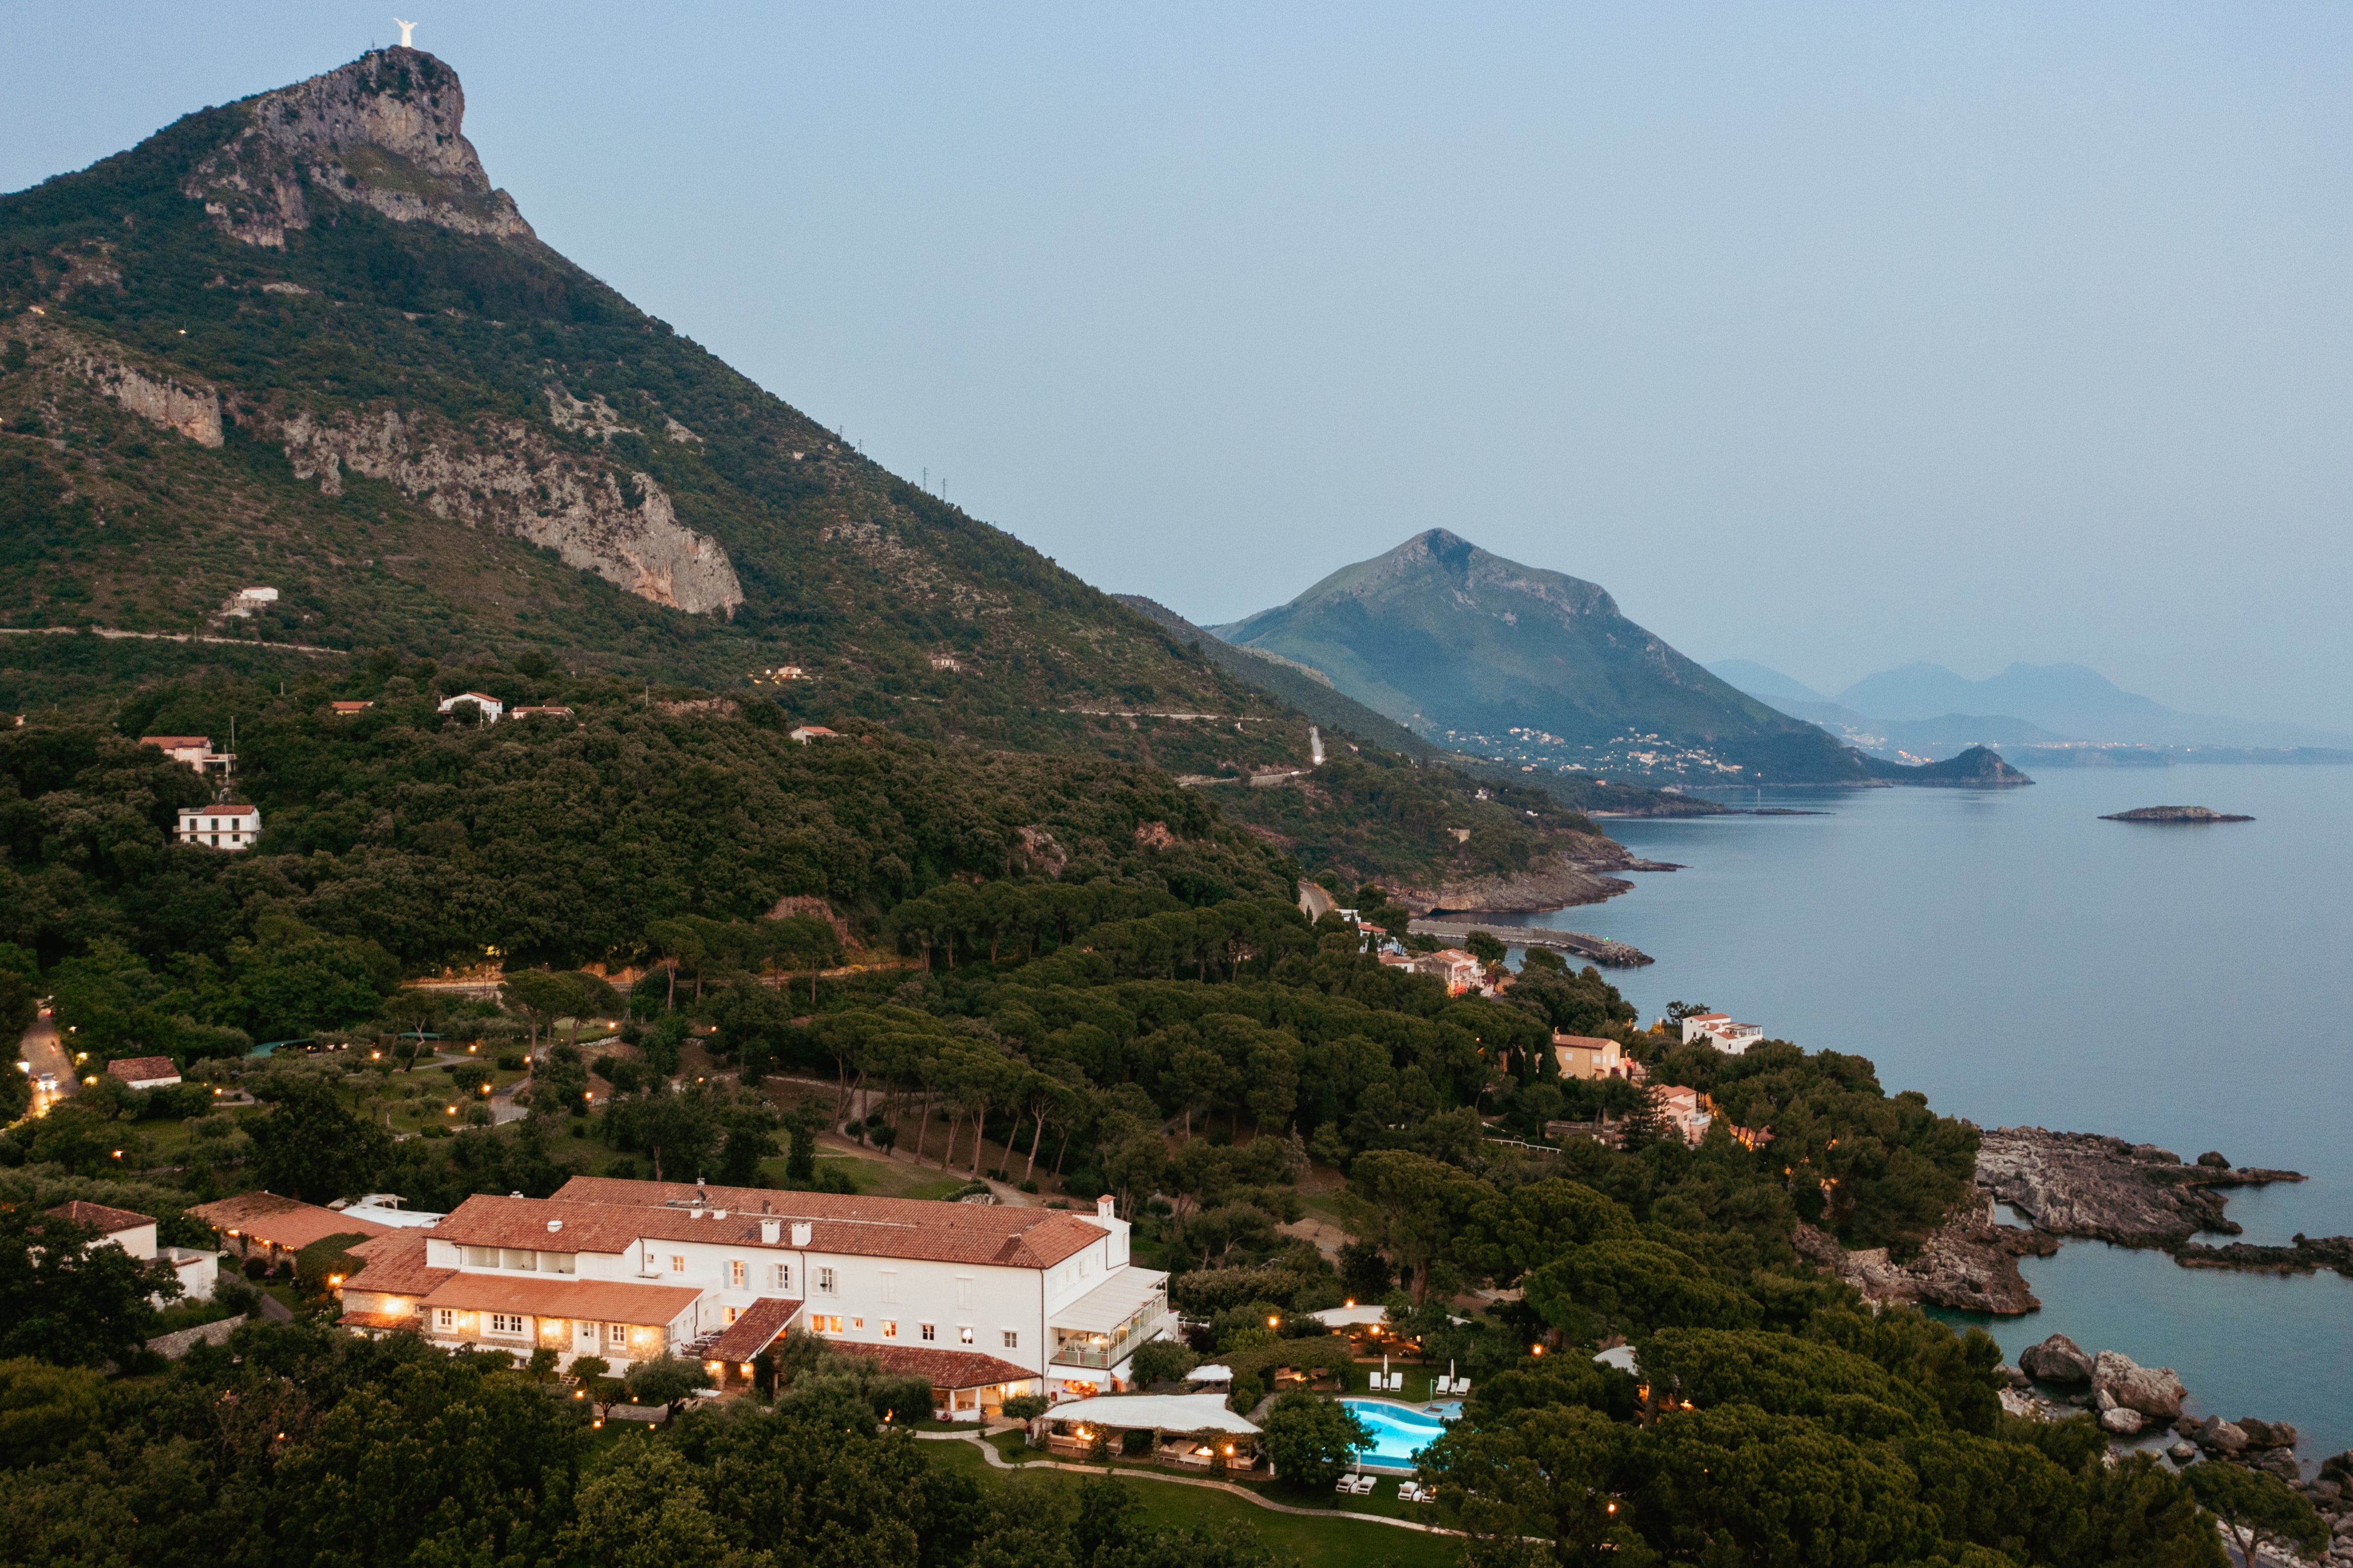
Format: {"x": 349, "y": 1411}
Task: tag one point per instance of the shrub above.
{"x": 1311, "y": 1440}
{"x": 1025, "y": 1407}
{"x": 1164, "y": 1361}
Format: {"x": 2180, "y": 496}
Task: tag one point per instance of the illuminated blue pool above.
{"x": 1400, "y": 1431}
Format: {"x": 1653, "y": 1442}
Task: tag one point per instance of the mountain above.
{"x": 302, "y": 344}
{"x": 1976, "y": 768}
{"x": 1483, "y": 654}
{"x": 1763, "y": 682}
{"x": 2067, "y": 700}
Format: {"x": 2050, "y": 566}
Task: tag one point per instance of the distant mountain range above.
{"x": 1926, "y": 710}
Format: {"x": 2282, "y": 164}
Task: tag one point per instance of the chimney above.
{"x": 1105, "y": 1208}
{"x": 764, "y": 1206}
{"x": 770, "y": 1230}
{"x": 801, "y": 1230}
{"x": 554, "y": 1225}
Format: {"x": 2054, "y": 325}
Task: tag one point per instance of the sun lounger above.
{"x": 1461, "y": 1386}
{"x": 1345, "y": 1485}
{"x": 1364, "y": 1486}
{"x": 1408, "y": 1491}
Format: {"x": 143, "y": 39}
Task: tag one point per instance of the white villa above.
{"x": 1720, "y": 1031}
{"x": 985, "y": 1301}
{"x": 491, "y": 708}
{"x": 135, "y": 1233}
{"x": 192, "y": 751}
{"x": 220, "y": 825}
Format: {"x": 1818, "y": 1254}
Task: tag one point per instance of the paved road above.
{"x": 42, "y": 1047}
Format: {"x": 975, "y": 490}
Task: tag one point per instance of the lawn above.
{"x": 1314, "y": 1542}
{"x": 877, "y": 1176}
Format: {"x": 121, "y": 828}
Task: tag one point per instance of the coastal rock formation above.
{"x": 2084, "y": 1183}
{"x": 2121, "y": 1420}
{"x": 1970, "y": 1263}
{"x": 2056, "y": 1360}
{"x": 2304, "y": 1255}
{"x": 2150, "y": 1390}
{"x": 382, "y": 132}
{"x": 1579, "y": 873}
{"x": 2173, "y": 814}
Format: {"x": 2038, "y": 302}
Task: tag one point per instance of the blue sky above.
{"x": 1831, "y": 336}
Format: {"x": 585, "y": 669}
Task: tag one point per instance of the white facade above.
{"x": 220, "y": 826}
{"x": 1718, "y": 1030}
{"x": 654, "y": 1274}
{"x": 492, "y": 710}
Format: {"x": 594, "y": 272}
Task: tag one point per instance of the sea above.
{"x": 2022, "y": 962}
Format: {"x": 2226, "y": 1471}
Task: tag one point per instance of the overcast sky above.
{"x": 1830, "y": 336}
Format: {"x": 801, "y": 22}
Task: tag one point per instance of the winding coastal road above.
{"x": 44, "y": 1049}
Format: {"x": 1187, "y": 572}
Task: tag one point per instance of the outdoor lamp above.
{"x": 1535, "y": 1349}
{"x": 1273, "y": 1322}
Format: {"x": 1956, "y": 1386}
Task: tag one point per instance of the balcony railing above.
{"x": 1106, "y": 1351}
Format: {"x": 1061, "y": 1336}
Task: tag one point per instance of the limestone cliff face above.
{"x": 509, "y": 476}
{"x": 188, "y": 406}
{"x": 382, "y": 132}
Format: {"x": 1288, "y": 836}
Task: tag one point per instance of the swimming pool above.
{"x": 1400, "y": 1431}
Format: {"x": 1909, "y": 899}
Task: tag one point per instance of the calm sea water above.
{"x": 2021, "y": 962}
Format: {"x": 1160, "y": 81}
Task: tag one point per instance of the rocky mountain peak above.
{"x": 385, "y": 131}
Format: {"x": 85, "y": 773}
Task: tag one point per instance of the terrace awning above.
{"x": 1162, "y": 1411}
{"x": 1108, "y": 1306}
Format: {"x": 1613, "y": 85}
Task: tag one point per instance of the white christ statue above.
{"x": 407, "y": 33}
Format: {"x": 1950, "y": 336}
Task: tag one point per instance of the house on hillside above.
{"x": 491, "y": 708}
{"x": 224, "y": 824}
{"x": 144, "y": 1072}
{"x": 805, "y": 733}
{"x": 198, "y": 1271}
{"x": 552, "y": 711}
{"x": 1461, "y": 972}
{"x": 985, "y": 1301}
{"x": 1718, "y": 1030}
{"x": 1587, "y": 1057}
{"x": 348, "y": 709}
{"x": 1685, "y": 1112}
{"x": 191, "y": 751}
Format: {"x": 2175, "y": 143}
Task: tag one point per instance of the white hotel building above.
{"x": 985, "y": 1301}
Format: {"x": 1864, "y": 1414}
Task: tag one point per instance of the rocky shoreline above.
{"x": 1581, "y": 872}
{"x": 2071, "y": 1184}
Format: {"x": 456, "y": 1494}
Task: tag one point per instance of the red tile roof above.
{"x": 286, "y": 1222}
{"x": 99, "y": 1217}
{"x": 849, "y": 1224}
{"x": 174, "y": 742}
{"x": 394, "y": 1265}
{"x": 138, "y": 1070}
{"x": 754, "y": 1329}
{"x": 596, "y": 1300}
{"x": 945, "y": 1369}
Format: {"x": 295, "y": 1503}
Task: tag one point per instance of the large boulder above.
{"x": 2151, "y": 1390}
{"x": 2056, "y": 1360}
{"x": 2123, "y": 1422}
{"x": 2267, "y": 1433}
{"x": 2180, "y": 1451}
{"x": 2217, "y": 1436}
{"x": 2280, "y": 1462}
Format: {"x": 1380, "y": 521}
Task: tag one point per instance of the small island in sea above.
{"x": 2174, "y": 814}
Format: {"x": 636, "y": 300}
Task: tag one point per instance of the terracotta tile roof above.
{"x": 845, "y": 1224}
{"x": 176, "y": 742}
{"x": 944, "y": 1369}
{"x": 1584, "y": 1042}
{"x": 104, "y": 1220}
{"x": 138, "y": 1070}
{"x": 596, "y": 1301}
{"x": 379, "y": 1320}
{"x": 394, "y": 1265}
{"x": 754, "y": 1329}
{"x": 288, "y": 1222}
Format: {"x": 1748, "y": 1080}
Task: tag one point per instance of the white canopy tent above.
{"x": 1160, "y": 1411}
{"x": 1212, "y": 1372}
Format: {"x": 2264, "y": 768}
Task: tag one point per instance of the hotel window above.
{"x": 616, "y": 1333}
{"x": 1012, "y": 1339}
{"x": 930, "y": 1332}
{"x": 890, "y": 1284}
{"x": 826, "y": 1325}
{"x": 501, "y": 1323}
{"x": 964, "y": 1290}
{"x": 677, "y": 1264}
{"x": 825, "y": 1282}
{"x": 735, "y": 1273}
{"x": 780, "y": 1276}
{"x": 482, "y": 1257}
{"x": 964, "y": 1334}
{"x": 857, "y": 1325}
{"x": 731, "y": 1313}
{"x": 890, "y": 1329}
{"x": 446, "y": 1318}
